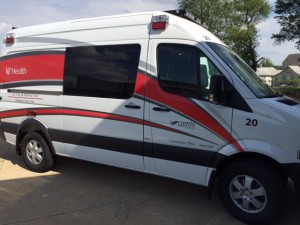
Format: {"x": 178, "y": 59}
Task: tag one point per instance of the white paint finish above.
{"x": 276, "y": 133}
{"x": 182, "y": 29}
{"x": 24, "y": 96}
{"x": 169, "y": 138}
{"x": 182, "y": 171}
{"x": 104, "y": 127}
{"x": 107, "y": 157}
{"x": 208, "y": 175}
{"x": 10, "y": 138}
{"x": 150, "y": 166}
{"x": 59, "y": 148}
{"x": 105, "y": 105}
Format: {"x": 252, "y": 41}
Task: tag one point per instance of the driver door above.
{"x": 190, "y": 130}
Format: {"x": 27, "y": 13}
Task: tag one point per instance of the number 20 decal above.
{"x": 251, "y": 122}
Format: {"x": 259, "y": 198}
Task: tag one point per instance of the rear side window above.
{"x": 101, "y": 71}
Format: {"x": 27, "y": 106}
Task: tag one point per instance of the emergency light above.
{"x": 10, "y": 38}
{"x": 160, "y": 22}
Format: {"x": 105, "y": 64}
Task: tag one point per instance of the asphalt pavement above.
{"x": 79, "y": 192}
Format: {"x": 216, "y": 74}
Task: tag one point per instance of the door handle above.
{"x": 132, "y": 106}
{"x": 161, "y": 109}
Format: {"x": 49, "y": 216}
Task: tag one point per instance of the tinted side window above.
{"x": 185, "y": 70}
{"x": 178, "y": 69}
{"x": 101, "y": 71}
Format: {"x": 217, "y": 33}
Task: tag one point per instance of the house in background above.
{"x": 292, "y": 60}
{"x": 267, "y": 74}
{"x": 290, "y": 73}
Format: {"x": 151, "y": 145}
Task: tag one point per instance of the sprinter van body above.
{"x": 151, "y": 92}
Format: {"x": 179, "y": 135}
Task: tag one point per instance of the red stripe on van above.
{"x": 1, "y": 72}
{"x": 85, "y": 113}
{"x": 33, "y": 67}
{"x": 71, "y": 112}
{"x": 140, "y": 84}
{"x": 13, "y": 113}
{"x": 188, "y": 108}
{"x": 75, "y": 112}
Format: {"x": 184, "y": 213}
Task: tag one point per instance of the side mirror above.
{"x": 220, "y": 90}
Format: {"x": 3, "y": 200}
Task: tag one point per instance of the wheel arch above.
{"x": 221, "y": 161}
{"x": 33, "y": 125}
{"x": 253, "y": 156}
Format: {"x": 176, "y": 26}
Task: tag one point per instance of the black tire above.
{"x": 36, "y": 153}
{"x": 252, "y": 191}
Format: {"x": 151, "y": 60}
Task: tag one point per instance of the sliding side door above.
{"x": 103, "y": 118}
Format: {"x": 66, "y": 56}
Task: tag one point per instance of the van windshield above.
{"x": 243, "y": 71}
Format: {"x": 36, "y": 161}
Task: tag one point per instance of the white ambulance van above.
{"x": 151, "y": 92}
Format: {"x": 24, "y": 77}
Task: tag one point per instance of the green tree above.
{"x": 244, "y": 41}
{"x": 266, "y": 62}
{"x": 289, "y": 19}
{"x": 245, "y": 35}
{"x": 233, "y": 21}
{"x": 212, "y": 14}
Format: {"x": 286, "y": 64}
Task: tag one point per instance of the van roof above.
{"x": 178, "y": 27}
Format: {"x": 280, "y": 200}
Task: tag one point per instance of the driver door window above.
{"x": 185, "y": 70}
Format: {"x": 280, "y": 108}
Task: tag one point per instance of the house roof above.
{"x": 296, "y": 69}
{"x": 267, "y": 71}
{"x": 292, "y": 59}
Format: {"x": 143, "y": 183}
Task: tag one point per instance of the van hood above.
{"x": 287, "y": 104}
{"x": 284, "y": 107}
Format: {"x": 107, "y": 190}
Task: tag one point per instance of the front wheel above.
{"x": 252, "y": 191}
{"x": 36, "y": 153}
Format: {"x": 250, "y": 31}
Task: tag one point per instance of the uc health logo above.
{"x": 15, "y": 71}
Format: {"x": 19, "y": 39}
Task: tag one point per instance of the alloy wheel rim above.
{"x": 248, "y": 194}
{"x": 34, "y": 152}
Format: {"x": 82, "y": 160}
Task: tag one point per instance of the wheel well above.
{"x": 32, "y": 126}
{"x": 254, "y": 156}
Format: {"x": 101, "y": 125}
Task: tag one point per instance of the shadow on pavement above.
{"x": 78, "y": 192}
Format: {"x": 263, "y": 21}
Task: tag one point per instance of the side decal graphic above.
{"x": 187, "y": 108}
{"x": 47, "y": 68}
{"x": 86, "y": 113}
{"x": 32, "y": 66}
{"x": 172, "y": 153}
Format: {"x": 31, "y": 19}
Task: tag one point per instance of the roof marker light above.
{"x": 10, "y": 38}
{"x": 160, "y": 22}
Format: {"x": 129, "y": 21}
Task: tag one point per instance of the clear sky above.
{"x": 22, "y": 13}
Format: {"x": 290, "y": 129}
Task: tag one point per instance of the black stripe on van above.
{"x": 32, "y": 83}
{"x": 172, "y": 153}
{"x": 9, "y": 127}
{"x": 95, "y": 141}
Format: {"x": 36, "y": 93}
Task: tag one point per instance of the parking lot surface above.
{"x": 78, "y": 192}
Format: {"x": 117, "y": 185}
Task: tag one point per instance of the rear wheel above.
{"x": 252, "y": 191}
{"x": 36, "y": 153}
